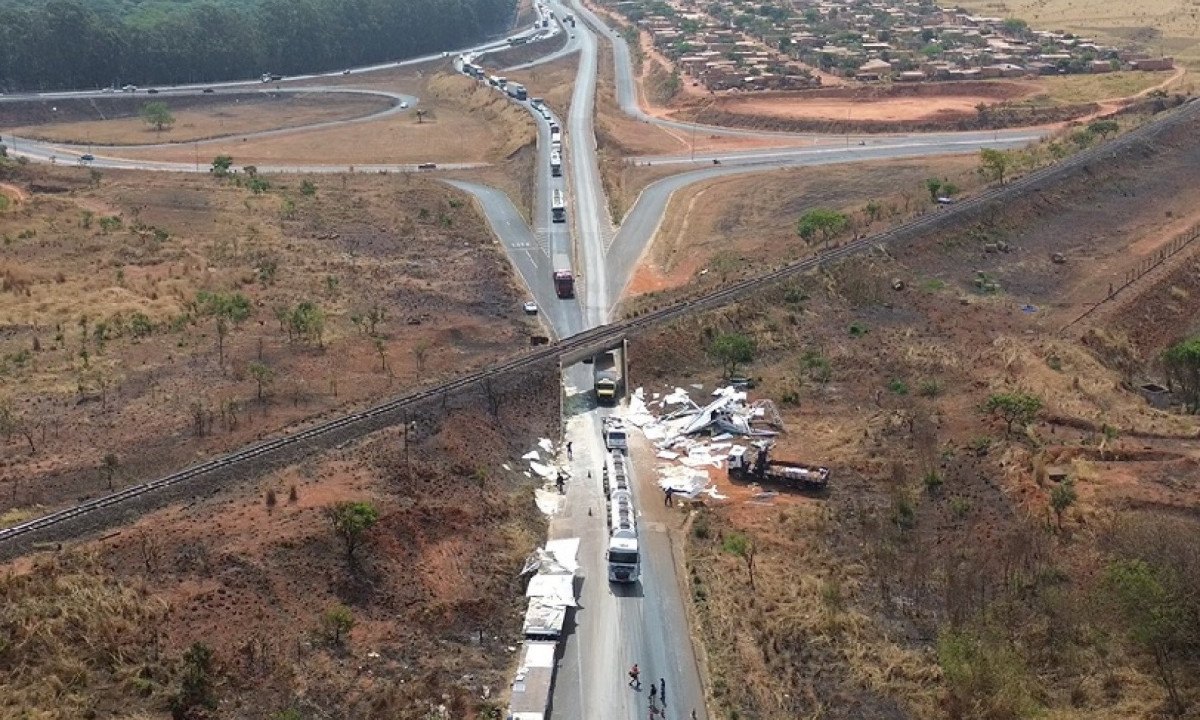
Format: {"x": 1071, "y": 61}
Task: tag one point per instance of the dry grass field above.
{"x": 730, "y": 226}
{"x": 355, "y": 287}
{"x": 253, "y": 572}
{"x": 934, "y": 578}
{"x": 1167, "y": 27}
{"x": 461, "y": 123}
{"x": 224, "y": 117}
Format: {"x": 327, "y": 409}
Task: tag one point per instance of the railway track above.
{"x": 613, "y": 333}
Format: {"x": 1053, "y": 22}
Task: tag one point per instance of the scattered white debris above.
{"x": 549, "y": 502}
{"x": 677, "y": 433}
{"x": 546, "y": 472}
{"x": 547, "y": 445}
{"x": 506, "y": 467}
{"x": 531, "y": 455}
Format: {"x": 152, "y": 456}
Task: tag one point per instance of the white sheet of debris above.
{"x": 674, "y": 423}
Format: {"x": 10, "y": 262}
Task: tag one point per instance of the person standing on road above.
{"x": 662, "y": 683}
{"x": 653, "y": 692}
{"x": 669, "y": 492}
{"x": 634, "y": 682}
{"x": 570, "y": 455}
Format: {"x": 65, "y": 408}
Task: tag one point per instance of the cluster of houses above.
{"x": 756, "y": 45}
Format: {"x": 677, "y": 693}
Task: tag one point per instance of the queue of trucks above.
{"x": 563, "y": 276}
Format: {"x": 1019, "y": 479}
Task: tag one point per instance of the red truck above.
{"x": 564, "y": 279}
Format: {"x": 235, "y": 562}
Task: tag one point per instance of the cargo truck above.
{"x": 556, "y": 163}
{"x": 606, "y": 378}
{"x": 624, "y": 561}
{"x": 615, "y": 437}
{"x": 755, "y": 464}
{"x": 564, "y": 279}
{"x": 558, "y": 207}
{"x": 516, "y": 91}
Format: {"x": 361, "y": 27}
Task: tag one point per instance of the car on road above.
{"x": 530, "y": 307}
{"x": 109, "y": 90}
{"x": 153, "y": 91}
{"x": 208, "y": 91}
{"x": 403, "y": 105}
{"x": 87, "y": 158}
{"x": 129, "y": 88}
{"x": 346, "y": 71}
{"x": 427, "y": 166}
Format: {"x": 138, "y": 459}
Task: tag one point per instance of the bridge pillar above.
{"x": 624, "y": 389}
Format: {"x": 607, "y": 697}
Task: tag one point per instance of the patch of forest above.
{"x": 61, "y": 44}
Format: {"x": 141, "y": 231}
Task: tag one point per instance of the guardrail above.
{"x": 613, "y": 333}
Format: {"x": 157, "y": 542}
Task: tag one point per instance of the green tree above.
{"x": 263, "y": 375}
{"x": 158, "y": 115}
{"x": 820, "y": 220}
{"x": 307, "y": 321}
{"x": 223, "y": 308}
{"x": 934, "y": 186}
{"x": 1016, "y": 27}
{"x": 221, "y": 165}
{"x": 1062, "y": 497}
{"x": 733, "y": 349}
{"x": 994, "y": 164}
{"x": 1154, "y": 616}
{"x": 195, "y": 683}
{"x": 1182, "y": 364}
{"x": 736, "y": 543}
{"x": 1013, "y": 408}
{"x": 1104, "y": 128}
{"x": 350, "y": 521}
{"x": 336, "y": 622}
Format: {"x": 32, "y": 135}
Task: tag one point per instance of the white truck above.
{"x": 624, "y": 562}
{"x": 615, "y": 436}
{"x": 532, "y": 686}
{"x": 556, "y": 163}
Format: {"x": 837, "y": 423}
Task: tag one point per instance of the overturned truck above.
{"x": 754, "y": 464}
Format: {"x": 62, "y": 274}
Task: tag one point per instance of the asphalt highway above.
{"x": 615, "y": 626}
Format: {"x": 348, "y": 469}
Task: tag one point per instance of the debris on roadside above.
{"x": 690, "y": 439}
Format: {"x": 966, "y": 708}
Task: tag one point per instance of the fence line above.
{"x": 1143, "y": 267}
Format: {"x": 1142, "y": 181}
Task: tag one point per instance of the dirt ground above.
{"x": 1168, "y": 27}
{"x": 859, "y": 595}
{"x": 106, "y": 348}
{"x": 731, "y": 226}
{"x": 434, "y": 594}
{"x": 223, "y": 117}
{"x": 453, "y": 108}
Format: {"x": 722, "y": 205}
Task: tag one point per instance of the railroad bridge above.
{"x": 546, "y": 361}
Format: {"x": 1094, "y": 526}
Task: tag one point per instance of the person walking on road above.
{"x": 570, "y": 455}
{"x": 653, "y": 692}
{"x": 662, "y": 693}
{"x": 634, "y": 681}
{"x": 669, "y": 492}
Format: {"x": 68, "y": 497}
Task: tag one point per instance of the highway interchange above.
{"x": 613, "y": 629}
